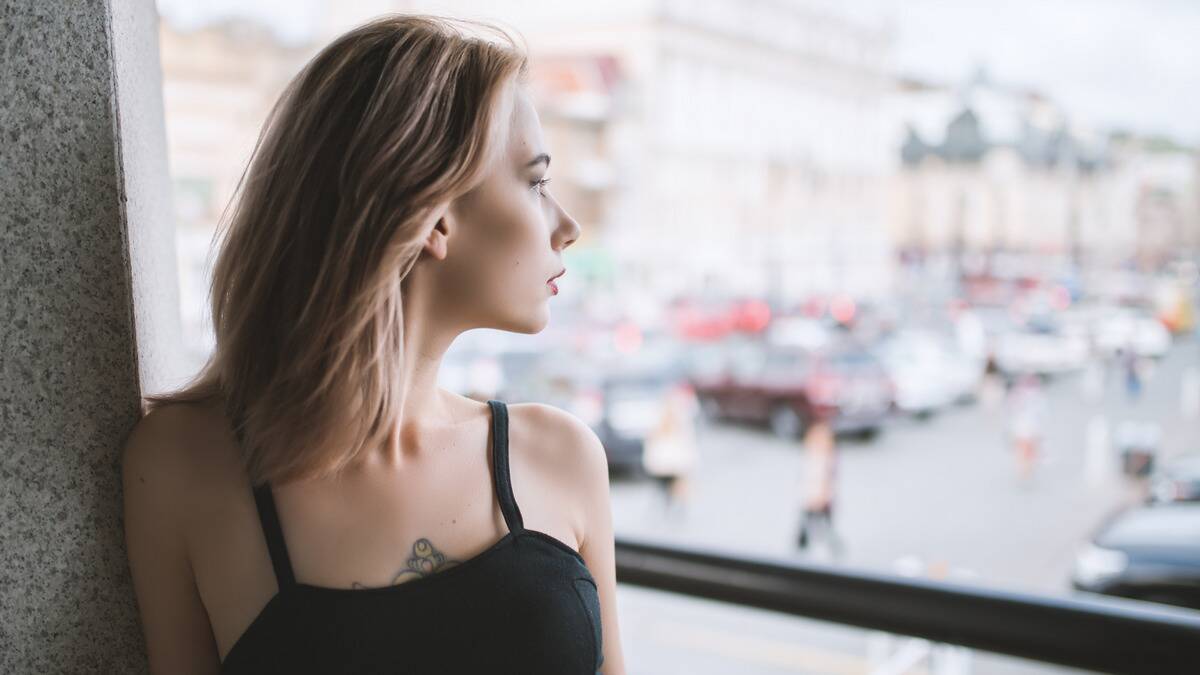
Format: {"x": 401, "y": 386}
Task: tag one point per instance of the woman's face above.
{"x": 503, "y": 240}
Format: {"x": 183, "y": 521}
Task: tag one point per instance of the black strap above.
{"x": 503, "y": 480}
{"x": 269, "y": 517}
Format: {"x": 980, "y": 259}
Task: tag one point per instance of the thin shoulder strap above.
{"x": 503, "y": 479}
{"x": 268, "y": 517}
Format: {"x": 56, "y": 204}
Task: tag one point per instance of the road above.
{"x": 938, "y": 495}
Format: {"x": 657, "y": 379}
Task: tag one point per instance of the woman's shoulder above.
{"x": 558, "y": 442}
{"x": 183, "y": 447}
{"x": 552, "y": 429}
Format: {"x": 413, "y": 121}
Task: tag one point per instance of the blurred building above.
{"x": 1157, "y": 187}
{"x": 983, "y": 167}
{"x": 218, "y": 85}
{"x": 729, "y": 147}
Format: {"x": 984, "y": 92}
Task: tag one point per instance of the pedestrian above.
{"x": 1028, "y": 409}
{"x": 818, "y": 487}
{"x": 992, "y": 385}
{"x": 669, "y": 452}
{"x": 1133, "y": 375}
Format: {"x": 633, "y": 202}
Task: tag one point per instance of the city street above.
{"x": 940, "y": 492}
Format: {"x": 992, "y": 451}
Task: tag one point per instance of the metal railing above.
{"x": 1106, "y": 635}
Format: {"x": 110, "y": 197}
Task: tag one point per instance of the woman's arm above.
{"x": 175, "y": 624}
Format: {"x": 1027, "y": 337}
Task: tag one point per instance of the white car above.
{"x": 928, "y": 372}
{"x": 1144, "y": 335}
{"x": 1042, "y": 353}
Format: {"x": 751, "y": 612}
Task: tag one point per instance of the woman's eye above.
{"x": 540, "y": 186}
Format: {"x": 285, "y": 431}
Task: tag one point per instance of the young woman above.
{"x": 313, "y": 501}
{"x": 819, "y": 487}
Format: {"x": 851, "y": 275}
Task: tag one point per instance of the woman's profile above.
{"x": 312, "y": 501}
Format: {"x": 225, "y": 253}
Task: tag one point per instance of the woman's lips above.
{"x": 554, "y": 286}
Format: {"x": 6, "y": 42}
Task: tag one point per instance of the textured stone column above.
{"x": 86, "y": 264}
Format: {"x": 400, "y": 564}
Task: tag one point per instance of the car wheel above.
{"x": 786, "y": 422}
{"x": 710, "y": 408}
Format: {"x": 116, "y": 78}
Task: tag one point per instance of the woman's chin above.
{"x": 530, "y": 324}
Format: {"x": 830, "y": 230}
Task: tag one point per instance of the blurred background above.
{"x": 908, "y": 287}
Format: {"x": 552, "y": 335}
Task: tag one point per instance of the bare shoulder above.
{"x": 166, "y": 443}
{"x": 176, "y": 455}
{"x": 162, "y": 475}
{"x": 571, "y": 457}
{"x": 155, "y": 450}
{"x": 560, "y": 439}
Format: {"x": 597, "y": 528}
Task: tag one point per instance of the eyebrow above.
{"x": 540, "y": 158}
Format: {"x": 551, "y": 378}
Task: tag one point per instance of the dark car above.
{"x": 1145, "y": 553}
{"x": 788, "y": 388}
{"x": 1178, "y": 480}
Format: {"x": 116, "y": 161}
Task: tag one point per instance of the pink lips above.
{"x": 554, "y": 286}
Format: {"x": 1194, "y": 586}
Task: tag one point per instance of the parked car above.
{"x": 788, "y": 387}
{"x": 1124, "y": 330}
{"x": 1040, "y": 351}
{"x": 928, "y": 371}
{"x": 1178, "y": 480}
{"x": 1145, "y": 553}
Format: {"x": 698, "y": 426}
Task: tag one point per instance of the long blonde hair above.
{"x": 384, "y": 125}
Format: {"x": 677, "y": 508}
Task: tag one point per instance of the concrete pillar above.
{"x": 86, "y": 264}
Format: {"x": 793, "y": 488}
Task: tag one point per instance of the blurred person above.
{"x": 1132, "y": 367}
{"x": 313, "y": 469}
{"x": 818, "y": 488}
{"x": 993, "y": 386}
{"x": 1139, "y": 443}
{"x": 669, "y": 453}
{"x": 1027, "y": 409}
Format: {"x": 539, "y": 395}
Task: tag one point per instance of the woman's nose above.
{"x": 568, "y": 229}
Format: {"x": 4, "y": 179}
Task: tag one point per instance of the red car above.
{"x": 788, "y": 388}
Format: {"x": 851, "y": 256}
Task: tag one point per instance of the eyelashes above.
{"x": 540, "y": 186}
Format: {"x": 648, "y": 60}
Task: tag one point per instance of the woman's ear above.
{"x": 437, "y": 241}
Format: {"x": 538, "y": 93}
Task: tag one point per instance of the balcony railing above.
{"x": 1108, "y": 635}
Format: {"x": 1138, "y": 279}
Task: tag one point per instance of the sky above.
{"x": 1131, "y": 64}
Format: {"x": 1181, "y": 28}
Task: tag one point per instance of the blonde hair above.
{"x": 387, "y": 123}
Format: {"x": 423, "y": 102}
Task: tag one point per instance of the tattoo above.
{"x": 425, "y": 560}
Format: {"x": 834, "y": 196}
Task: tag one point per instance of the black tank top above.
{"x": 528, "y": 604}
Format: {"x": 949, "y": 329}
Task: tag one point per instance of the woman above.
{"x": 818, "y": 487}
{"x": 313, "y": 501}
{"x": 1029, "y": 409}
{"x": 669, "y": 452}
